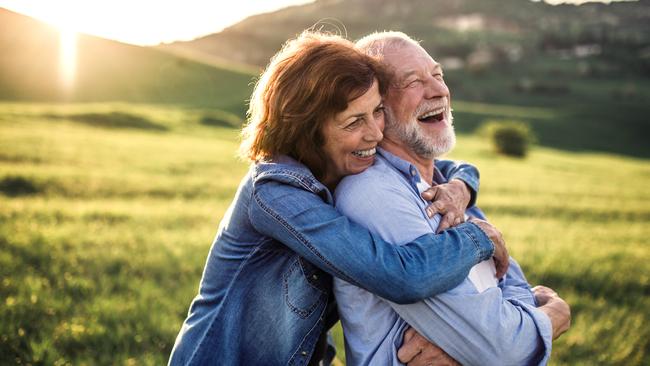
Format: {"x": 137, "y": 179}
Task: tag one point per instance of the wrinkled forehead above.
{"x": 409, "y": 59}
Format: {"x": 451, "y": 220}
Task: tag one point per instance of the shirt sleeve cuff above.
{"x": 484, "y": 246}
{"x": 544, "y": 328}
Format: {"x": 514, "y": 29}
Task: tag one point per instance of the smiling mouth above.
{"x": 433, "y": 116}
{"x": 365, "y": 153}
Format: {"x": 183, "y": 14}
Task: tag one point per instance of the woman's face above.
{"x": 351, "y": 136}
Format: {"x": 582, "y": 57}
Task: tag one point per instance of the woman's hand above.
{"x": 450, "y": 200}
{"x": 500, "y": 255}
{"x": 417, "y": 350}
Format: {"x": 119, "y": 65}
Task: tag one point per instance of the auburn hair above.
{"x": 311, "y": 79}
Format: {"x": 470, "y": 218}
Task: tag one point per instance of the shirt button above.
{"x": 314, "y": 277}
{"x": 304, "y": 353}
{"x": 413, "y": 172}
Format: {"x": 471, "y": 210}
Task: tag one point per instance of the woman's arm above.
{"x": 429, "y": 265}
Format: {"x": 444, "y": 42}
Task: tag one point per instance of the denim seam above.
{"x": 465, "y": 177}
{"x": 293, "y": 356}
{"x": 209, "y": 331}
{"x": 302, "y": 269}
{"x": 303, "y": 313}
{"x": 479, "y": 250}
{"x": 297, "y": 235}
{"x": 304, "y": 181}
{"x": 494, "y": 247}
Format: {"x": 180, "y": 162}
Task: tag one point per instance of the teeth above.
{"x": 365, "y": 153}
{"x": 432, "y": 113}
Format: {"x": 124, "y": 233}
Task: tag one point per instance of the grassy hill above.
{"x": 510, "y": 30}
{"x": 588, "y": 65}
{"x": 510, "y": 53}
{"x": 109, "y": 71}
{"x": 105, "y": 227}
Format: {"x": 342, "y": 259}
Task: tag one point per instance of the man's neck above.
{"x": 424, "y": 165}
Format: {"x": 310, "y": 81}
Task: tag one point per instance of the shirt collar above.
{"x": 407, "y": 169}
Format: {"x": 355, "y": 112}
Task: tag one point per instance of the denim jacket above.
{"x": 265, "y": 297}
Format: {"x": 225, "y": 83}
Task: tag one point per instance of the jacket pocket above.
{"x": 300, "y": 295}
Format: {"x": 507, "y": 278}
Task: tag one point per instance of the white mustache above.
{"x": 423, "y": 108}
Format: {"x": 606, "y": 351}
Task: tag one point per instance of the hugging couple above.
{"x": 348, "y": 212}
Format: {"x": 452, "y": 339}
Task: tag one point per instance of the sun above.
{"x": 66, "y": 22}
{"x": 67, "y": 58}
{"x": 60, "y": 16}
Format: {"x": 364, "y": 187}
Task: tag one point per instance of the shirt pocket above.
{"x": 301, "y": 292}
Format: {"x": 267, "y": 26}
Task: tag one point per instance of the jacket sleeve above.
{"x": 403, "y": 274}
{"x": 466, "y": 172}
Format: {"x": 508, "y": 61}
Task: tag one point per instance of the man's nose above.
{"x": 436, "y": 88}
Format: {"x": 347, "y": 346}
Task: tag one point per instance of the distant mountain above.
{"x": 109, "y": 71}
{"x": 464, "y": 31}
{"x": 585, "y": 69}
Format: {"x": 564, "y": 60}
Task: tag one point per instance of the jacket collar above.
{"x": 287, "y": 170}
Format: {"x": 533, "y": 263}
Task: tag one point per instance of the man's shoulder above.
{"x": 370, "y": 189}
{"x": 381, "y": 173}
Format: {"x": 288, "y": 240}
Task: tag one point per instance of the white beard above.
{"x": 418, "y": 140}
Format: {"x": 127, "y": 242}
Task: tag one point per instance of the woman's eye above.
{"x": 380, "y": 110}
{"x": 353, "y": 124}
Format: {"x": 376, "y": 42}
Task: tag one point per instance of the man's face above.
{"x": 418, "y": 110}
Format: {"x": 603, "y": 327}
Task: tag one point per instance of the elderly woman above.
{"x": 315, "y": 116}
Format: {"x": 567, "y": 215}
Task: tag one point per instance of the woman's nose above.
{"x": 375, "y": 129}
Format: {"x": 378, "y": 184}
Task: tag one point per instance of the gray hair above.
{"x": 378, "y": 43}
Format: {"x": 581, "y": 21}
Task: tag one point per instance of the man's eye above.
{"x": 414, "y": 83}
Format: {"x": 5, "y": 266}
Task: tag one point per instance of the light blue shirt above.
{"x": 499, "y": 325}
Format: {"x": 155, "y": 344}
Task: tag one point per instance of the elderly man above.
{"x": 480, "y": 322}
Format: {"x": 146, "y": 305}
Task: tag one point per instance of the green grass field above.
{"x": 107, "y": 212}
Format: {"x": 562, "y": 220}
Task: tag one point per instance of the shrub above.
{"x": 112, "y": 120}
{"x": 511, "y": 138}
{"x": 220, "y": 118}
{"x": 13, "y": 186}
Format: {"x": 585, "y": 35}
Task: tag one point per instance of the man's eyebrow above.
{"x": 407, "y": 74}
{"x": 436, "y": 68}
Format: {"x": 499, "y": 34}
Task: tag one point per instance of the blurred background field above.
{"x": 104, "y": 231}
{"x": 112, "y": 187}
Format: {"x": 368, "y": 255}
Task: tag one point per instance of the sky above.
{"x": 145, "y": 22}
{"x": 150, "y": 22}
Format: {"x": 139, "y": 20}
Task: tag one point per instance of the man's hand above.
{"x": 418, "y": 351}
{"x": 555, "y": 307}
{"x": 500, "y": 256}
{"x": 450, "y": 200}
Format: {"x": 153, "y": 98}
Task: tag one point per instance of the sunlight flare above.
{"x": 67, "y": 58}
